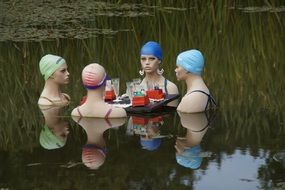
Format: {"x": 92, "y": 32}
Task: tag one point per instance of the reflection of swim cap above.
{"x": 49, "y": 141}
{"x": 152, "y": 48}
{"x": 150, "y": 144}
{"x": 93, "y": 76}
{"x": 190, "y": 157}
{"x": 93, "y": 156}
{"x": 49, "y": 64}
{"x": 192, "y": 61}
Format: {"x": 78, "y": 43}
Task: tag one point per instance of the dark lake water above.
{"x": 239, "y": 146}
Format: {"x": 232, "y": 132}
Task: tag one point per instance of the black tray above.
{"x": 151, "y": 107}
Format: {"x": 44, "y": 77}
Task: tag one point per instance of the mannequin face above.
{"x": 149, "y": 63}
{"x": 61, "y": 75}
{"x": 181, "y": 74}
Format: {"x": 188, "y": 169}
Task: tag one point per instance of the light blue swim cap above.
{"x": 152, "y": 48}
{"x": 150, "y": 144}
{"x": 192, "y": 61}
{"x": 190, "y": 158}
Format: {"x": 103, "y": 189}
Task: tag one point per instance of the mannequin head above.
{"x": 188, "y": 149}
{"x": 94, "y": 76}
{"x": 54, "y": 69}
{"x": 189, "y": 62}
{"x": 151, "y": 57}
{"x": 92, "y": 156}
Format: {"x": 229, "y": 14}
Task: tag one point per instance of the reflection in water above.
{"x": 188, "y": 149}
{"x": 94, "y": 151}
{"x": 55, "y": 130}
{"x": 149, "y": 130}
{"x": 280, "y": 157}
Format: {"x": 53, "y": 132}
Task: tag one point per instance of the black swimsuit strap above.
{"x": 165, "y": 86}
{"x": 210, "y": 101}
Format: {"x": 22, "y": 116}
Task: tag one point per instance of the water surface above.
{"x": 243, "y": 44}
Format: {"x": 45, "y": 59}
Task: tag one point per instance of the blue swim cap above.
{"x": 152, "y": 48}
{"x": 190, "y": 157}
{"x": 150, "y": 144}
{"x": 192, "y": 61}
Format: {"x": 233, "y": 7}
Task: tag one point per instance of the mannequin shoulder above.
{"x": 172, "y": 88}
{"x": 43, "y": 101}
{"x": 117, "y": 113}
{"x": 193, "y": 103}
{"x": 75, "y": 112}
{"x": 66, "y": 96}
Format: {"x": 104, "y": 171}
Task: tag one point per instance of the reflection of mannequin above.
{"x": 55, "y": 130}
{"x": 94, "y": 78}
{"x": 148, "y": 129}
{"x": 54, "y": 70}
{"x": 151, "y": 58}
{"x": 94, "y": 151}
{"x": 188, "y": 148}
{"x": 190, "y": 65}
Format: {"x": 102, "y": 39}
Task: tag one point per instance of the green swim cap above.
{"x": 49, "y": 141}
{"x": 49, "y": 64}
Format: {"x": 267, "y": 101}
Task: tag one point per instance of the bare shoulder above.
{"x": 172, "y": 88}
{"x": 44, "y": 102}
{"x": 66, "y": 96}
{"x": 118, "y": 113}
{"x": 193, "y": 103}
{"x": 75, "y": 112}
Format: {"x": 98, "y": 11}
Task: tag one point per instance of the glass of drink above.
{"x": 116, "y": 86}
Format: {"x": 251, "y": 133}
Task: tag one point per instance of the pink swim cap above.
{"x": 93, "y": 76}
{"x": 93, "y": 156}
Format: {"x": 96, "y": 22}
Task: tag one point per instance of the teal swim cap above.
{"x": 192, "y": 61}
{"x": 49, "y": 141}
{"x": 49, "y": 64}
{"x": 190, "y": 158}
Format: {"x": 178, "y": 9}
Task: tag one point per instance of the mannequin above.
{"x": 54, "y": 133}
{"x": 94, "y": 79}
{"x": 94, "y": 151}
{"x": 188, "y": 150}
{"x": 54, "y": 70}
{"x": 189, "y": 68}
{"x": 151, "y": 58}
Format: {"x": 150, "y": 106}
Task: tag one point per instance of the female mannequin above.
{"x": 190, "y": 65}
{"x": 54, "y": 70}
{"x": 55, "y": 131}
{"x": 188, "y": 150}
{"x": 94, "y": 151}
{"x": 94, "y": 78}
{"x": 151, "y": 58}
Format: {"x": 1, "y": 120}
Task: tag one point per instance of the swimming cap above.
{"x": 49, "y": 64}
{"x": 152, "y": 48}
{"x": 150, "y": 144}
{"x": 93, "y": 156}
{"x": 93, "y": 76}
{"x": 190, "y": 157}
{"x": 49, "y": 141}
{"x": 192, "y": 61}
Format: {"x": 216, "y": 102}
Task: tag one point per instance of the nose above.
{"x": 147, "y": 61}
{"x": 67, "y": 73}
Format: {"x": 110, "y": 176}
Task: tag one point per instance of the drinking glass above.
{"x": 116, "y": 86}
{"x": 130, "y": 90}
{"x": 137, "y": 81}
